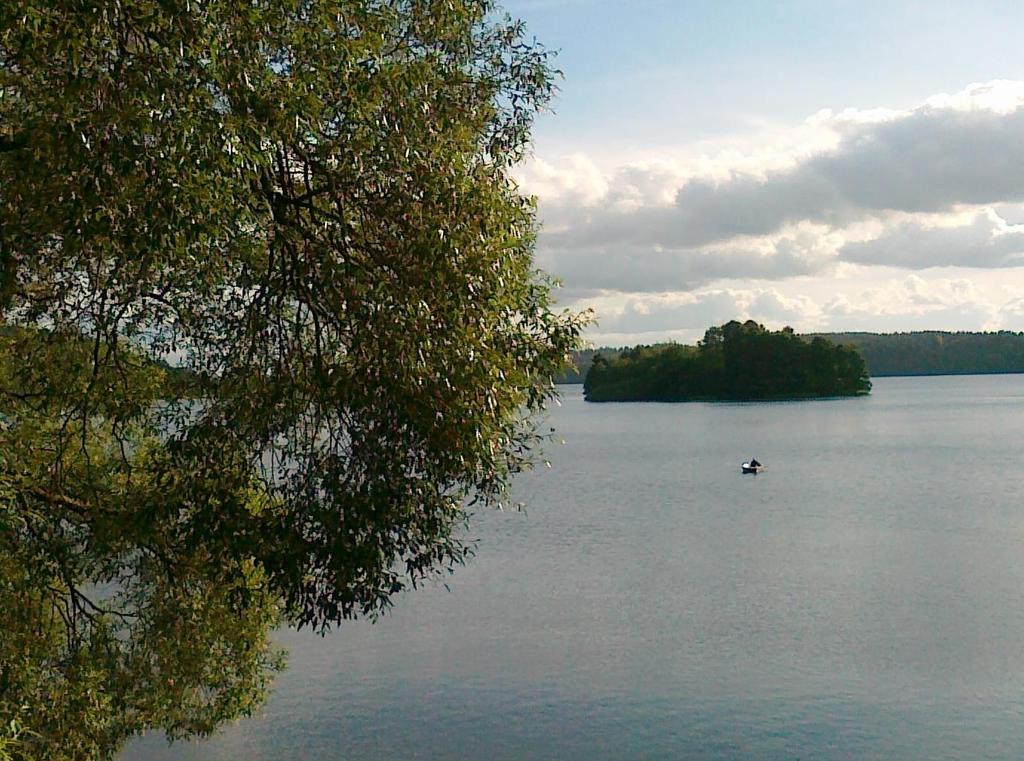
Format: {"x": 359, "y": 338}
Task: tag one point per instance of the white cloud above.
{"x": 634, "y": 269}
{"x": 1011, "y": 315}
{"x": 1000, "y": 96}
{"x": 914, "y": 303}
{"x": 687, "y": 315}
{"x": 877, "y": 187}
{"x": 818, "y": 226}
{"x": 987, "y": 240}
{"x": 574, "y": 181}
{"x": 929, "y": 160}
{"x": 910, "y": 302}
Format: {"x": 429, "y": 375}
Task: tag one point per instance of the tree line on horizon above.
{"x": 735, "y": 362}
{"x": 936, "y": 352}
{"x": 931, "y": 352}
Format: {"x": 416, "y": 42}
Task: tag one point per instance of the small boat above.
{"x": 751, "y": 467}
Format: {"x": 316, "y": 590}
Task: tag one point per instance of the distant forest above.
{"x": 920, "y": 353}
{"x": 733, "y": 362}
{"x": 937, "y": 352}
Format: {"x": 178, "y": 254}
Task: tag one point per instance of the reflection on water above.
{"x": 863, "y": 598}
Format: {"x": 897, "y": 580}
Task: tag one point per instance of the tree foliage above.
{"x": 306, "y": 208}
{"x": 733, "y": 362}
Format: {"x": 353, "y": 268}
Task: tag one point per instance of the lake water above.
{"x": 862, "y": 598}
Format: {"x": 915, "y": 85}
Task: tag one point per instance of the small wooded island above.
{"x": 733, "y": 362}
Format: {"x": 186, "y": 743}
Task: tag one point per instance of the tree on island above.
{"x": 736, "y": 361}
{"x": 307, "y": 209}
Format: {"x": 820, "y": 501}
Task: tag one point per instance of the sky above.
{"x": 826, "y": 165}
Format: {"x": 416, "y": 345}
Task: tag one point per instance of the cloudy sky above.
{"x": 828, "y": 165}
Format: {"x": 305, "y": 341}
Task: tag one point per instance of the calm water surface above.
{"x": 863, "y": 598}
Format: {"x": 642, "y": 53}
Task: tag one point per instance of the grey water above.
{"x": 862, "y": 598}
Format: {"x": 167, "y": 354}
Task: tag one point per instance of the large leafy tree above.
{"x": 269, "y": 325}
